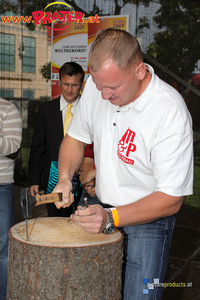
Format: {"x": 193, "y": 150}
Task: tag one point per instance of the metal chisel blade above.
{"x": 27, "y": 229}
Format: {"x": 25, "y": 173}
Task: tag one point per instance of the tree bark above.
{"x": 62, "y": 261}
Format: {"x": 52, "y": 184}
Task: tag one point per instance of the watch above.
{"x": 110, "y": 227}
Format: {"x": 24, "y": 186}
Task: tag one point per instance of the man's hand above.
{"x": 34, "y": 190}
{"x": 65, "y": 188}
{"x": 90, "y": 189}
{"x": 79, "y": 169}
{"x": 92, "y": 219}
{"x": 86, "y": 177}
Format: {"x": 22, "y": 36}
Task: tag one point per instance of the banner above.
{"x": 69, "y": 44}
{"x": 73, "y": 44}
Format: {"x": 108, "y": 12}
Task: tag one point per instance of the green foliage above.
{"x": 143, "y": 23}
{"x": 46, "y": 71}
{"x": 7, "y": 5}
{"x": 96, "y": 10}
{"x": 176, "y": 45}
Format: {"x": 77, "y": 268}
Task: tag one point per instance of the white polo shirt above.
{"x": 140, "y": 148}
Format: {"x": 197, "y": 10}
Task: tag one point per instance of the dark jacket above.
{"x": 47, "y": 137}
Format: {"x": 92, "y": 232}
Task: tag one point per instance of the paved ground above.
{"x": 184, "y": 256}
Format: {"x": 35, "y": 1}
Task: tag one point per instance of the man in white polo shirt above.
{"x": 143, "y": 149}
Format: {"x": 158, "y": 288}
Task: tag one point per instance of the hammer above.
{"x": 27, "y": 201}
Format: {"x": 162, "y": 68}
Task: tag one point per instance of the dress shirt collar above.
{"x": 63, "y": 102}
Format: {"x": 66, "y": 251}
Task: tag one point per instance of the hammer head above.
{"x": 26, "y": 203}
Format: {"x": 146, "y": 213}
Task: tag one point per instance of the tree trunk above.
{"x": 62, "y": 261}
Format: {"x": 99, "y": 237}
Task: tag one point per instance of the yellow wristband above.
{"x": 115, "y": 216}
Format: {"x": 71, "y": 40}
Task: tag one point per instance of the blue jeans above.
{"x": 6, "y": 221}
{"x": 146, "y": 249}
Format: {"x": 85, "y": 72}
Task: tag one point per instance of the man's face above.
{"x": 117, "y": 86}
{"x": 70, "y": 87}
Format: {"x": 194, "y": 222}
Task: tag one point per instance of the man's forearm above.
{"x": 70, "y": 157}
{"x": 148, "y": 209}
{"x": 88, "y": 164}
{"x": 153, "y": 207}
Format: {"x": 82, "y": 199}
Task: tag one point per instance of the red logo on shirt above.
{"x": 126, "y": 147}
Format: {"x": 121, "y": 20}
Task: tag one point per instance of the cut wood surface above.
{"x": 62, "y": 261}
{"x": 59, "y": 232}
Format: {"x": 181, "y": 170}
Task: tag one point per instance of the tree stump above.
{"x": 62, "y": 261}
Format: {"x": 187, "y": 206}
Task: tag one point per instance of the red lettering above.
{"x": 91, "y": 19}
{"x": 37, "y": 16}
{"x": 56, "y": 16}
{"x": 26, "y": 19}
{"x": 125, "y": 159}
{"x": 6, "y": 19}
{"x": 97, "y": 19}
{"x": 79, "y": 16}
{"x": 121, "y": 146}
{"x": 16, "y": 19}
{"x": 47, "y": 18}
{"x": 63, "y": 13}
{"x": 70, "y": 17}
{"x": 131, "y": 148}
{"x": 131, "y": 135}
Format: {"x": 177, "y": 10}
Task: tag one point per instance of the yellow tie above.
{"x": 68, "y": 117}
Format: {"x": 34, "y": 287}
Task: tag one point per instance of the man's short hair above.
{"x": 118, "y": 45}
{"x": 71, "y": 68}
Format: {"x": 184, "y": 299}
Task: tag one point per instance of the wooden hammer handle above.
{"x": 48, "y": 198}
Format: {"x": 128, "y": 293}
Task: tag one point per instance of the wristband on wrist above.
{"x": 115, "y": 216}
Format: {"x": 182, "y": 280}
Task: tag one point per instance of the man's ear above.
{"x": 141, "y": 71}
